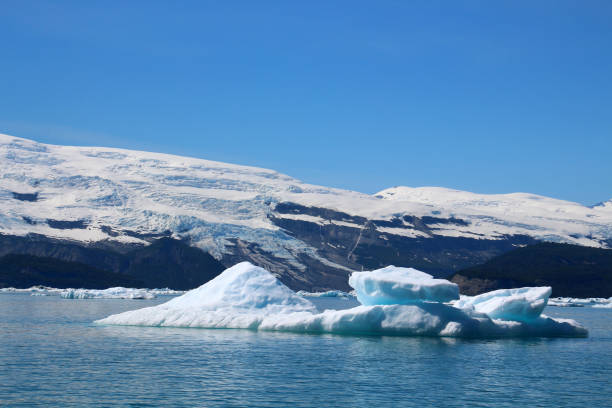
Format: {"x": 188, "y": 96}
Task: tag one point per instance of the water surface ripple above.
{"x": 52, "y": 355}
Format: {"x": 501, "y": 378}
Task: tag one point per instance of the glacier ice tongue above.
{"x": 520, "y": 304}
{"x": 395, "y": 286}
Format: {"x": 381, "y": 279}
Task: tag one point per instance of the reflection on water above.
{"x": 51, "y": 354}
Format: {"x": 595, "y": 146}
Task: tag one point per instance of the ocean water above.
{"x": 52, "y": 355}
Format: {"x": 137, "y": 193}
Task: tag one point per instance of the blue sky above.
{"x": 485, "y": 96}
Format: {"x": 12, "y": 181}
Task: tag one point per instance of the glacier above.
{"x": 100, "y": 195}
{"x": 249, "y": 297}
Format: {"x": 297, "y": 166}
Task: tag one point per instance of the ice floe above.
{"x": 110, "y": 293}
{"x": 581, "y": 302}
{"x": 249, "y": 297}
{"x": 38, "y": 290}
{"x": 329, "y": 293}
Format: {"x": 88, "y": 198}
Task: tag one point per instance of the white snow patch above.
{"x": 403, "y": 232}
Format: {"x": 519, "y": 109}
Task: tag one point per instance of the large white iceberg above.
{"x": 241, "y": 297}
{"x": 246, "y": 296}
{"x": 398, "y": 286}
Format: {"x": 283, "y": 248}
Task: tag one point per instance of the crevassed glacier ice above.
{"x": 393, "y": 286}
{"x": 246, "y": 296}
{"x": 520, "y": 304}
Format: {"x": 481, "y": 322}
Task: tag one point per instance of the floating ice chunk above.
{"x": 33, "y": 290}
{"x": 603, "y": 305}
{"x": 166, "y": 291}
{"x": 240, "y": 297}
{"x": 245, "y": 296}
{"x": 110, "y": 293}
{"x": 329, "y": 293}
{"x": 393, "y": 286}
{"x": 520, "y": 304}
{"x": 580, "y": 302}
{"x": 420, "y": 319}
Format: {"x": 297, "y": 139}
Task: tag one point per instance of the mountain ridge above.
{"x": 310, "y": 236}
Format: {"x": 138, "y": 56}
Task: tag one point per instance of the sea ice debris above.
{"x": 110, "y": 293}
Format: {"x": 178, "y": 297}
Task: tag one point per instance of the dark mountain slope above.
{"x": 166, "y": 262}
{"x": 23, "y": 271}
{"x": 571, "y": 270}
{"x": 171, "y": 263}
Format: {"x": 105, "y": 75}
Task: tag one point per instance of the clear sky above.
{"x": 485, "y": 96}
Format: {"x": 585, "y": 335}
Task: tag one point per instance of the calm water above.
{"x": 51, "y": 355}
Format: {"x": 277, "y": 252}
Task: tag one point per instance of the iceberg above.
{"x": 240, "y": 297}
{"x": 393, "y": 285}
{"x": 34, "y": 290}
{"x": 605, "y": 303}
{"x": 521, "y": 304}
{"x": 249, "y": 297}
{"x": 110, "y": 293}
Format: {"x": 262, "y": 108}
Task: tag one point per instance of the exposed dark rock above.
{"x": 25, "y": 196}
{"x": 363, "y": 246}
{"x": 437, "y": 220}
{"x": 63, "y": 224}
{"x": 316, "y": 276}
{"x": 29, "y": 220}
{"x": 571, "y": 270}
{"x": 24, "y": 271}
{"x": 172, "y": 263}
{"x": 165, "y": 263}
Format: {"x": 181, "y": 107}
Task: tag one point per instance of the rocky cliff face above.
{"x": 362, "y": 244}
{"x": 571, "y": 270}
{"x": 164, "y": 263}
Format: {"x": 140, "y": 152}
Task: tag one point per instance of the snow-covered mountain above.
{"x": 310, "y": 236}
